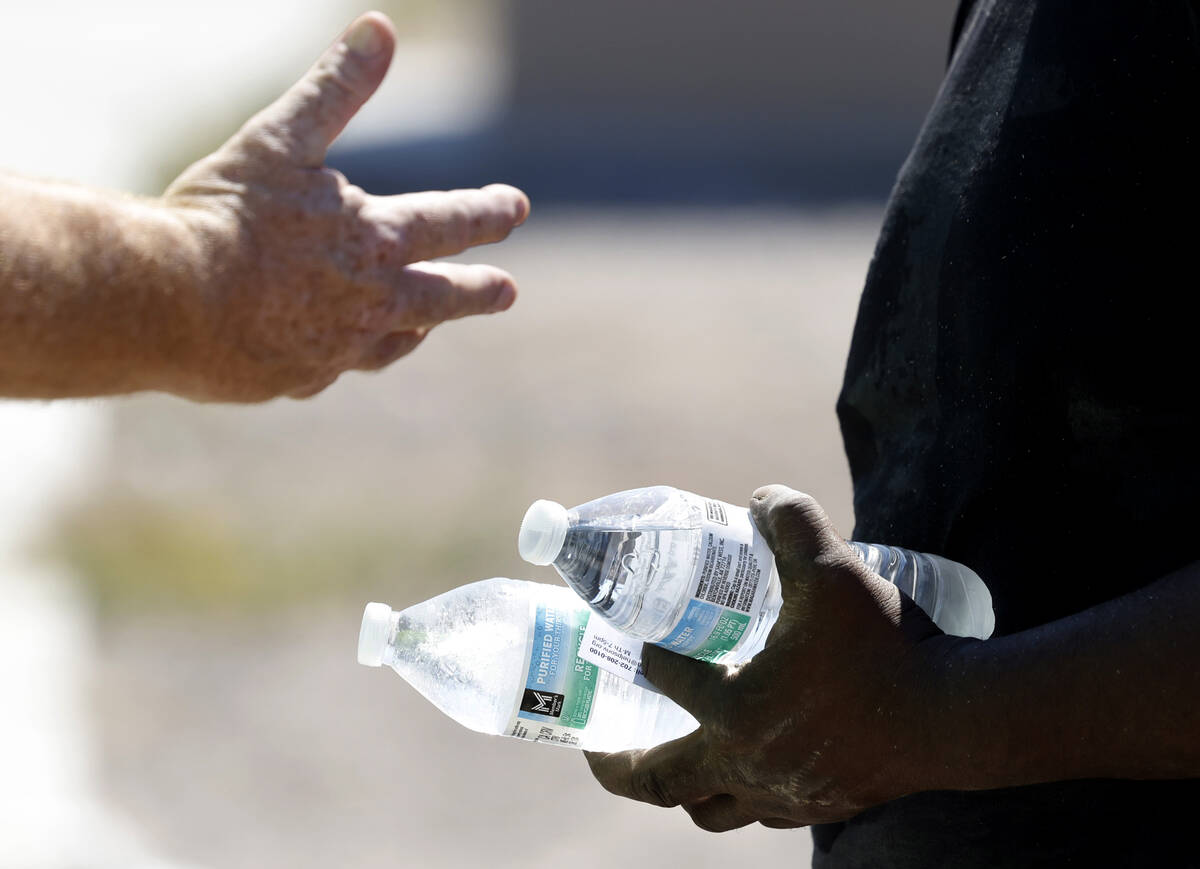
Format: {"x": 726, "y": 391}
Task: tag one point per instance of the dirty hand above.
{"x": 830, "y": 718}
{"x": 301, "y": 275}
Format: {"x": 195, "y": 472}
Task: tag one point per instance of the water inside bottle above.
{"x": 459, "y": 650}
{"x": 632, "y": 578}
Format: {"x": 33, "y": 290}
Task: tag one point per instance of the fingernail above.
{"x": 365, "y": 38}
{"x": 523, "y": 210}
{"x": 523, "y": 206}
{"x": 505, "y": 298}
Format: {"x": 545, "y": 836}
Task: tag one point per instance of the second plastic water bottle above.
{"x": 501, "y": 656}
{"x": 693, "y": 574}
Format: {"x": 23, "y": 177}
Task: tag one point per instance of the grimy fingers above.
{"x": 793, "y": 523}
{"x": 442, "y": 223}
{"x": 698, "y": 686}
{"x": 426, "y": 294}
{"x": 304, "y": 121}
{"x": 667, "y": 775}
{"x": 720, "y": 813}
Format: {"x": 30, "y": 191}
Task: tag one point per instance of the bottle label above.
{"x": 728, "y": 586}
{"x": 560, "y": 686}
{"x": 726, "y": 592}
{"x": 614, "y": 652}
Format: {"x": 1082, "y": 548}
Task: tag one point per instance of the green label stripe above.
{"x": 580, "y": 689}
{"x": 725, "y": 635}
{"x": 560, "y": 686}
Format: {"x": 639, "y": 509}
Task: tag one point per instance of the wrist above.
{"x": 953, "y": 742}
{"x": 177, "y": 313}
{"x": 152, "y": 281}
{"x": 989, "y": 707}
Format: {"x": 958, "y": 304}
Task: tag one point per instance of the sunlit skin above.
{"x": 258, "y": 273}
{"x": 858, "y": 698}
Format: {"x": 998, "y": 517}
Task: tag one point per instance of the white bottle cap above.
{"x": 543, "y": 531}
{"x": 374, "y": 634}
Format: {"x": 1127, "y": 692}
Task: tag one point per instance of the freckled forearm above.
{"x": 96, "y": 290}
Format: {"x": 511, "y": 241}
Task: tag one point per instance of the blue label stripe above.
{"x": 693, "y": 629}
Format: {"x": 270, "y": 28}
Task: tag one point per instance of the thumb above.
{"x": 304, "y": 121}
{"x": 794, "y": 525}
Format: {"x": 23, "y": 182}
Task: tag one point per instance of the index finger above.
{"x": 667, "y": 775}
{"x": 439, "y": 223}
{"x": 698, "y": 686}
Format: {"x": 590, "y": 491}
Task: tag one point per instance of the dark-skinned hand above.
{"x": 830, "y": 718}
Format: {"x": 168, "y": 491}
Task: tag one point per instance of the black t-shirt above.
{"x": 1020, "y": 393}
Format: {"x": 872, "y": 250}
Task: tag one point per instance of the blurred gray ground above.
{"x": 231, "y": 549}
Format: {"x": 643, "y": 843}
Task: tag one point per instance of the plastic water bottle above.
{"x": 500, "y": 656}
{"x": 695, "y": 576}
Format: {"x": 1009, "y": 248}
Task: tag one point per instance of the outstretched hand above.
{"x": 828, "y": 719}
{"x": 303, "y": 275}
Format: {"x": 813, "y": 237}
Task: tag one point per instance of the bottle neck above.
{"x": 402, "y": 639}
{"x": 583, "y": 561}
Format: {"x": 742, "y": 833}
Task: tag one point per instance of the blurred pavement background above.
{"x": 181, "y": 585}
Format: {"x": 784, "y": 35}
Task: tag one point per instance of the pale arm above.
{"x": 258, "y": 273}
{"x": 99, "y": 292}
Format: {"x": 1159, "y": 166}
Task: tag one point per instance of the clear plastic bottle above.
{"x": 694, "y": 575}
{"x": 500, "y": 656}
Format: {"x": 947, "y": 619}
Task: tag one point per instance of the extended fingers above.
{"x": 442, "y": 223}
{"x": 782, "y": 823}
{"x": 391, "y": 347}
{"x": 425, "y": 294}
{"x": 719, "y": 813}
{"x": 306, "y": 119}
